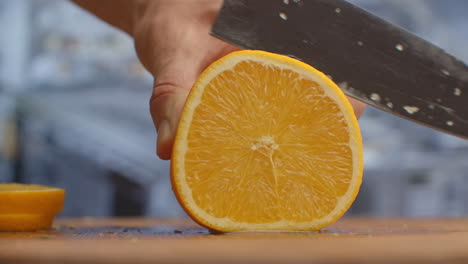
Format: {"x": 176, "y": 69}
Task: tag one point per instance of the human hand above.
{"x": 173, "y": 43}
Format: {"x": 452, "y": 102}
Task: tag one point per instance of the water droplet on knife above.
{"x": 411, "y": 109}
{"x": 375, "y": 97}
{"x": 283, "y": 16}
{"x": 400, "y": 47}
{"x": 344, "y": 85}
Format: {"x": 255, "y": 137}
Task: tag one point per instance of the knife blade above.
{"x": 372, "y": 60}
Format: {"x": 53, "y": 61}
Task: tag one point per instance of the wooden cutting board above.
{"x": 351, "y": 240}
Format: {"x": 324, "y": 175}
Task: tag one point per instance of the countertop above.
{"x": 140, "y": 240}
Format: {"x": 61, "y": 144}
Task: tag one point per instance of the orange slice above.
{"x": 266, "y": 142}
{"x": 29, "y": 207}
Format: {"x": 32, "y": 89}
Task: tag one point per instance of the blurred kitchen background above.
{"x": 74, "y": 114}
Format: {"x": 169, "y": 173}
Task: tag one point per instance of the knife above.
{"x": 372, "y": 60}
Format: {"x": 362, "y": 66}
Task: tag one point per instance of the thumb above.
{"x": 167, "y": 101}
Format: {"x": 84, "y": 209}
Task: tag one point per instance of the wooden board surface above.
{"x": 155, "y": 241}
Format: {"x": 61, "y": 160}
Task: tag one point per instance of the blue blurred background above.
{"x": 74, "y": 114}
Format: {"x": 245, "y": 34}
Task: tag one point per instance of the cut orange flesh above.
{"x": 266, "y": 142}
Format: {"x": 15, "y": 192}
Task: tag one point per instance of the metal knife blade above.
{"x": 371, "y": 59}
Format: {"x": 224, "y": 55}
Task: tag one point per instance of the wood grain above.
{"x": 351, "y": 240}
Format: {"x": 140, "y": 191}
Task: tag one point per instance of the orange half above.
{"x": 29, "y": 207}
{"x": 266, "y": 142}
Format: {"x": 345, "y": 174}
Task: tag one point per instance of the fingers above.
{"x": 166, "y": 105}
{"x": 170, "y": 92}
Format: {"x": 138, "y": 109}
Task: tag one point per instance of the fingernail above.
{"x": 163, "y": 131}
{"x": 164, "y": 136}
